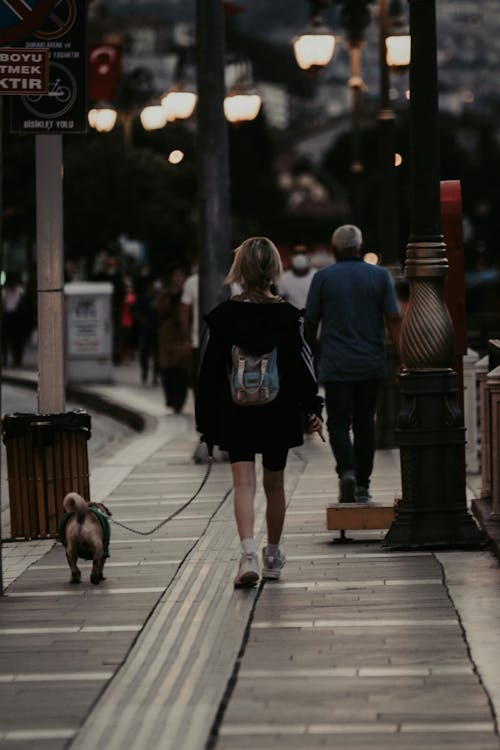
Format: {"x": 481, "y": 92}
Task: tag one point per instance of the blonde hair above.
{"x": 256, "y": 264}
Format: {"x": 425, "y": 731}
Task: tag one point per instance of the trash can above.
{"x": 46, "y": 458}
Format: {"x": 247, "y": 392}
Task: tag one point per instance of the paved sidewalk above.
{"x": 355, "y": 647}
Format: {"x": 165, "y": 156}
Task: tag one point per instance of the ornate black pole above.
{"x": 431, "y": 433}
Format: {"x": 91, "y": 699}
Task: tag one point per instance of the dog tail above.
{"x": 75, "y": 503}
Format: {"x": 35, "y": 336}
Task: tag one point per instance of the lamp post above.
{"x": 387, "y": 212}
{"x": 355, "y": 15}
{"x": 431, "y": 434}
{"x": 242, "y": 102}
{"x": 315, "y": 46}
{"x": 387, "y": 215}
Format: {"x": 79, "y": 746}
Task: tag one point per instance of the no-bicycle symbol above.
{"x": 21, "y": 18}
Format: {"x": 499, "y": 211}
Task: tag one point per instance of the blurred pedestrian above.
{"x": 260, "y": 322}
{"x": 128, "y": 328}
{"x": 295, "y": 282}
{"x": 13, "y": 333}
{"x": 112, "y": 273}
{"x": 146, "y": 316}
{"x": 353, "y": 301}
{"x": 174, "y": 349}
{"x": 190, "y": 313}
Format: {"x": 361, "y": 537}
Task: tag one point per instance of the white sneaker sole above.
{"x": 246, "y": 580}
{"x": 271, "y": 575}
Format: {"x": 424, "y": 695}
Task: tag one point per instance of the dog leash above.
{"x": 176, "y": 512}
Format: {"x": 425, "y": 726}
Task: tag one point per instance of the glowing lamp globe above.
{"x": 103, "y": 119}
{"x": 398, "y": 50}
{"x": 313, "y": 50}
{"x": 153, "y": 117}
{"x": 242, "y": 107}
{"x": 179, "y": 104}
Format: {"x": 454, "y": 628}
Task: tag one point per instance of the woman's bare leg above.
{"x": 244, "y": 494}
{"x": 274, "y": 487}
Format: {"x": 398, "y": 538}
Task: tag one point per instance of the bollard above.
{"x": 470, "y": 411}
{"x": 493, "y": 400}
{"x": 46, "y": 458}
{"x": 481, "y": 374}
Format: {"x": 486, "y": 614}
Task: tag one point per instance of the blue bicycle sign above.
{"x": 21, "y": 18}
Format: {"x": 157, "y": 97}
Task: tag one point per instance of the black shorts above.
{"x": 272, "y": 460}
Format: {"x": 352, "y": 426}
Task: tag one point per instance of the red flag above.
{"x": 105, "y": 70}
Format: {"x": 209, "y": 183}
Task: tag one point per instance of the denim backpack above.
{"x": 254, "y": 378}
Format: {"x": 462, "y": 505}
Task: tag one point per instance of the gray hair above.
{"x": 347, "y": 237}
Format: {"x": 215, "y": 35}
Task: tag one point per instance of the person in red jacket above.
{"x": 258, "y": 321}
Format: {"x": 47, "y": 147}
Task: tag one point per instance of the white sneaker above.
{"x": 248, "y": 573}
{"x": 272, "y": 564}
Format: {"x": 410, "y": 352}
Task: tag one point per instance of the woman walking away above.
{"x": 174, "y": 350}
{"x": 255, "y": 390}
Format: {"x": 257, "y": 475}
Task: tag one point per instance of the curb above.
{"x": 124, "y": 414}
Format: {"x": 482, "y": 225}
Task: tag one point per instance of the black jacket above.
{"x": 257, "y": 327}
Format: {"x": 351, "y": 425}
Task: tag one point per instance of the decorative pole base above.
{"x": 431, "y": 435}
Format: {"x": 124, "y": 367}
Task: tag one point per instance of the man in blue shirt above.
{"x": 354, "y": 302}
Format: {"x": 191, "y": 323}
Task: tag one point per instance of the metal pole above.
{"x": 387, "y": 211}
{"x": 212, "y": 156}
{"x": 388, "y": 245}
{"x": 49, "y": 216}
{"x": 1, "y": 318}
{"x": 356, "y": 85}
{"x": 431, "y": 432}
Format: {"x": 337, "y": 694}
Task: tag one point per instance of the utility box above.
{"x": 46, "y": 458}
{"x": 88, "y": 332}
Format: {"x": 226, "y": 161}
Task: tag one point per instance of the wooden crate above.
{"x": 343, "y": 516}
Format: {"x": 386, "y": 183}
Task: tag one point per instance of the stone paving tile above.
{"x": 364, "y": 741}
{"x": 58, "y": 704}
{"x": 29, "y": 744}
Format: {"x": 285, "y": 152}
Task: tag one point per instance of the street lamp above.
{"x": 431, "y": 435}
{"x": 153, "y": 117}
{"x": 102, "y": 118}
{"x": 390, "y": 28}
{"x": 355, "y": 15}
{"x": 398, "y": 39}
{"x": 241, "y": 107}
{"x": 179, "y": 103}
{"x": 314, "y": 48}
{"x": 390, "y": 22}
{"x": 242, "y": 102}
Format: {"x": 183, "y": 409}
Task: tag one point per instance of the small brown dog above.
{"x": 84, "y": 531}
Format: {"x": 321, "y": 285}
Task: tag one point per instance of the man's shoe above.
{"x": 347, "y": 487}
{"x": 363, "y": 495}
{"x": 272, "y": 564}
{"x": 248, "y": 573}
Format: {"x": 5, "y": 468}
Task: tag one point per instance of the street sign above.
{"x": 20, "y": 18}
{"x": 24, "y": 71}
{"x": 63, "y": 109}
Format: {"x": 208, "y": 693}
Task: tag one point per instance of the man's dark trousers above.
{"x": 352, "y": 403}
